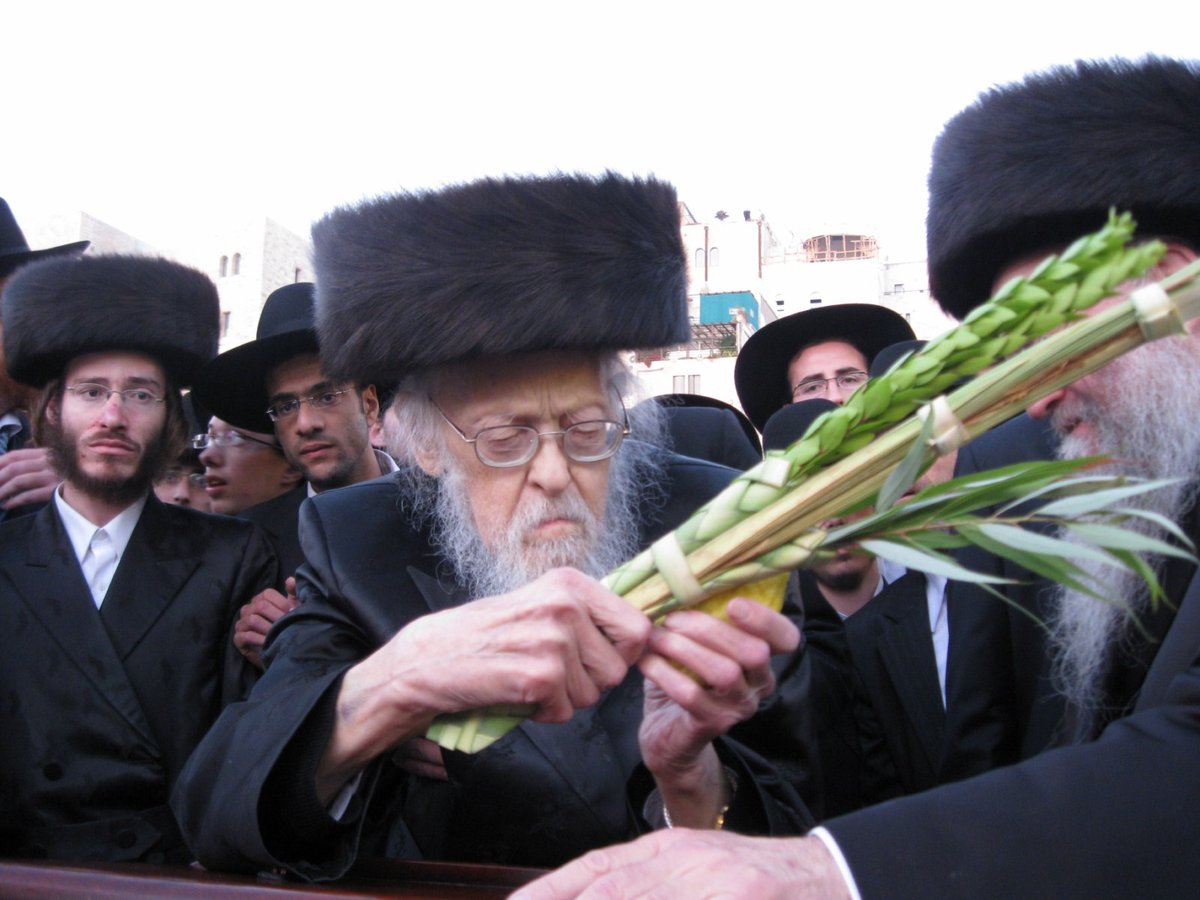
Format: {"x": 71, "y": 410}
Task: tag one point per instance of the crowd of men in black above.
{"x": 236, "y": 589}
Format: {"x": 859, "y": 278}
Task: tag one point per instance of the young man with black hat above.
{"x": 1024, "y": 171}
{"x": 468, "y": 579}
{"x": 818, "y": 353}
{"x": 276, "y": 384}
{"x": 26, "y": 477}
{"x": 116, "y": 607}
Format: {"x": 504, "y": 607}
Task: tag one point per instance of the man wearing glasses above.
{"x": 274, "y": 387}
{"x": 468, "y": 579}
{"x": 116, "y": 607}
{"x": 819, "y": 353}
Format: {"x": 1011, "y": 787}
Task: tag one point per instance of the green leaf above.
{"x": 1114, "y": 537}
{"x": 915, "y": 461}
{"x": 1042, "y": 544}
{"x": 1084, "y": 504}
{"x": 927, "y": 561}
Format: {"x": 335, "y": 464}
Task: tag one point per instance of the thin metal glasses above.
{"x": 97, "y": 395}
{"x": 507, "y": 446}
{"x": 819, "y": 387}
{"x": 285, "y": 409}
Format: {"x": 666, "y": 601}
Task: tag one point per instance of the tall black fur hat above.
{"x": 497, "y": 267}
{"x": 57, "y": 309}
{"x": 1037, "y": 164}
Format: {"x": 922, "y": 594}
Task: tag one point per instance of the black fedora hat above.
{"x": 233, "y": 386}
{"x": 760, "y": 373}
{"x": 14, "y": 249}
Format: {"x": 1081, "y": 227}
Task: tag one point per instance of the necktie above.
{"x": 99, "y": 564}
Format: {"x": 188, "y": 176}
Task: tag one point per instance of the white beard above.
{"x": 1141, "y": 409}
{"x": 599, "y": 544}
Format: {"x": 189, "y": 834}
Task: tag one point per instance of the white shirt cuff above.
{"x": 337, "y": 808}
{"x": 836, "y": 852}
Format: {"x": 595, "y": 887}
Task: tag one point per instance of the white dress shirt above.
{"x": 98, "y": 549}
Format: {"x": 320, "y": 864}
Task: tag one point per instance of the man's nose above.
{"x": 550, "y": 468}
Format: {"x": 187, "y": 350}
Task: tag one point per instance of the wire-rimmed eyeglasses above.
{"x": 98, "y": 394}
{"x": 819, "y": 387}
{"x": 228, "y": 439}
{"x": 507, "y": 446}
{"x": 285, "y": 409}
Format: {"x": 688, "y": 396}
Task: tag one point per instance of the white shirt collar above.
{"x": 80, "y": 531}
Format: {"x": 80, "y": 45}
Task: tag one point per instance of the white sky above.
{"x": 160, "y": 118}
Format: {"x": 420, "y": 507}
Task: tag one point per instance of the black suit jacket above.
{"x": 279, "y": 517}
{"x": 538, "y": 796}
{"x": 1111, "y": 818}
{"x": 898, "y": 702}
{"x": 103, "y": 707}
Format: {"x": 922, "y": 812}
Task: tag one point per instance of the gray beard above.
{"x": 601, "y": 544}
{"x": 1147, "y": 425}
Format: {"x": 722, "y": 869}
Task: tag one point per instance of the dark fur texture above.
{"x": 1032, "y": 166}
{"x": 57, "y": 309}
{"x": 497, "y": 267}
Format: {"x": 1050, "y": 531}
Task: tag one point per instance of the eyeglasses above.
{"x": 819, "y": 387}
{"x": 97, "y": 395}
{"x": 285, "y": 409}
{"x": 195, "y": 479}
{"x": 507, "y": 446}
{"x": 228, "y": 439}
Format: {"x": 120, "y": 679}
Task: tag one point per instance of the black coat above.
{"x": 539, "y": 796}
{"x": 1114, "y": 817}
{"x": 898, "y": 703}
{"x": 279, "y": 518}
{"x": 102, "y": 707}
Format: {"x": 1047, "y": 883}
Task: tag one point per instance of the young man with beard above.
{"x": 275, "y": 384}
{"x": 1111, "y": 813}
{"x": 468, "y": 580}
{"x": 116, "y": 608}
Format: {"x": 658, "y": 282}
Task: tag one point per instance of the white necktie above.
{"x": 99, "y": 564}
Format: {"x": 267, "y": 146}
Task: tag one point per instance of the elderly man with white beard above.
{"x": 468, "y": 579}
{"x": 1111, "y": 812}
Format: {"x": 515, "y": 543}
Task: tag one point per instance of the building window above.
{"x": 223, "y": 268}
{"x": 296, "y": 280}
{"x": 814, "y": 300}
{"x": 693, "y": 384}
{"x": 677, "y": 383}
{"x": 224, "y": 323}
{"x": 699, "y": 259}
{"x": 897, "y": 289}
{"x": 237, "y": 264}
{"x": 714, "y": 257}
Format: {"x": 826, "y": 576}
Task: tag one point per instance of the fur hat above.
{"x": 57, "y": 309}
{"x": 1037, "y": 164}
{"x": 760, "y": 373}
{"x": 497, "y": 267}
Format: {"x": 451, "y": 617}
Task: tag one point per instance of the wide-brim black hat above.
{"x": 760, "y": 373}
{"x": 14, "y": 249}
{"x": 1030, "y": 167}
{"x": 57, "y": 309}
{"x": 234, "y": 385}
{"x": 499, "y": 267}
